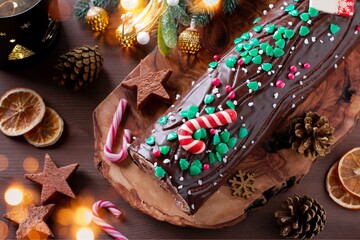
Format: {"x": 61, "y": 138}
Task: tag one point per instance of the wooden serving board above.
{"x": 335, "y": 98}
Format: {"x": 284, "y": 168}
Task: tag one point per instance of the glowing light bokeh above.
{"x": 64, "y": 216}
{"x": 4, "y": 230}
{"x": 85, "y": 234}
{"x": 30, "y": 164}
{"x": 211, "y": 3}
{"x": 129, "y": 4}
{"x": 14, "y": 196}
{"x": 83, "y": 216}
{"x": 4, "y": 162}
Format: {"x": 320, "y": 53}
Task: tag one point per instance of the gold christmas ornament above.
{"x": 190, "y": 41}
{"x": 125, "y": 40}
{"x": 97, "y": 18}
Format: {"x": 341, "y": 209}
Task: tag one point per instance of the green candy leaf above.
{"x": 270, "y": 28}
{"x": 269, "y": 51}
{"x": 159, "y": 172}
{"x": 278, "y": 52}
{"x": 225, "y": 136}
{"x": 277, "y": 35}
{"x": 254, "y": 42}
{"x": 230, "y": 104}
{"x": 294, "y": 13}
{"x": 254, "y": 52}
{"x": 246, "y": 36}
{"x": 163, "y": 120}
{"x": 218, "y": 157}
{"x": 222, "y": 148}
{"x": 213, "y": 64}
{"x": 304, "y": 31}
{"x": 216, "y": 139}
{"x": 290, "y": 7}
{"x": 209, "y": 98}
{"x": 184, "y": 164}
{"x": 194, "y": 170}
{"x": 243, "y": 132}
{"x": 232, "y": 142}
{"x": 209, "y": 110}
{"x": 244, "y": 53}
{"x": 266, "y": 67}
{"x": 289, "y": 33}
{"x": 199, "y": 134}
{"x": 238, "y": 40}
{"x": 256, "y": 20}
{"x": 313, "y": 12}
{"x": 247, "y": 59}
{"x": 172, "y": 136}
{"x": 230, "y": 62}
{"x": 257, "y": 29}
{"x": 247, "y": 46}
{"x": 263, "y": 46}
{"x": 212, "y": 158}
{"x": 164, "y": 150}
{"x": 253, "y": 86}
{"x": 280, "y": 43}
{"x": 197, "y": 163}
{"x": 334, "y": 28}
{"x": 150, "y": 141}
{"x": 257, "y": 60}
{"x": 305, "y": 17}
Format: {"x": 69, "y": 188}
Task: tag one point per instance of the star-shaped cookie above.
{"x": 53, "y": 179}
{"x": 149, "y": 85}
{"x": 31, "y": 218}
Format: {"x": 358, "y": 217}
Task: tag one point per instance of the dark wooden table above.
{"x": 76, "y": 146}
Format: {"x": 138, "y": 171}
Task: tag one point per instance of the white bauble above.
{"x": 143, "y": 38}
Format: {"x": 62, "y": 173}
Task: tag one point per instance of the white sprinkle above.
{"x": 261, "y": 52}
{"x": 166, "y": 161}
{"x": 293, "y": 96}
{"x": 243, "y": 125}
{"x": 192, "y": 206}
{"x": 271, "y": 6}
{"x": 221, "y": 175}
{"x": 313, "y": 39}
{"x": 225, "y": 160}
{"x": 180, "y": 186}
{"x": 269, "y": 73}
{"x": 183, "y": 120}
{"x": 285, "y": 4}
{"x": 210, "y": 70}
{"x": 176, "y": 157}
{"x": 155, "y": 164}
{"x": 251, "y": 34}
{"x": 356, "y": 32}
{"x": 215, "y": 183}
{"x": 172, "y": 118}
{"x": 332, "y": 39}
{"x": 343, "y": 57}
{"x": 189, "y": 192}
{"x": 170, "y": 177}
{"x": 215, "y": 90}
{"x": 282, "y": 8}
{"x": 181, "y": 179}
{"x": 259, "y": 68}
{"x": 336, "y": 56}
{"x": 233, "y": 69}
{"x": 329, "y": 34}
{"x": 301, "y": 83}
{"x": 153, "y": 131}
{"x": 276, "y": 95}
{"x": 290, "y": 23}
{"x": 291, "y": 52}
{"x": 274, "y": 105}
{"x": 235, "y": 102}
{"x": 321, "y": 41}
{"x": 302, "y": 97}
{"x": 297, "y": 74}
{"x": 244, "y": 70}
{"x": 173, "y": 106}
{"x": 208, "y": 151}
{"x": 293, "y": 48}
{"x": 250, "y": 91}
{"x": 258, "y": 71}
{"x": 306, "y": 41}
{"x": 243, "y": 146}
{"x": 304, "y": 77}
{"x": 218, "y": 95}
{"x": 241, "y": 117}
{"x": 220, "y": 108}
{"x": 280, "y": 66}
{"x": 250, "y": 104}
{"x": 309, "y": 21}
{"x": 235, "y": 148}
{"x": 252, "y": 142}
{"x": 197, "y": 114}
{"x": 192, "y": 83}
{"x": 134, "y": 138}
{"x": 271, "y": 84}
{"x": 273, "y": 71}
{"x": 259, "y": 84}
{"x": 335, "y": 65}
{"x": 200, "y": 182}
{"x": 265, "y": 12}
{"x": 300, "y": 63}
{"x": 293, "y": 105}
{"x": 248, "y": 81}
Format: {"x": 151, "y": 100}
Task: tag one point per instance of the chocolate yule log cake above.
{"x": 242, "y": 99}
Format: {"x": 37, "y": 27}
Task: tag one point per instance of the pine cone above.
{"x": 311, "y": 135}
{"x": 301, "y": 217}
{"x": 79, "y": 67}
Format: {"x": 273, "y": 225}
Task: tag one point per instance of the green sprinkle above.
{"x": 305, "y": 17}
{"x": 256, "y": 20}
{"x": 225, "y": 136}
{"x": 213, "y": 64}
{"x": 278, "y": 52}
{"x": 230, "y": 104}
{"x": 164, "y": 150}
{"x": 232, "y": 142}
{"x": 247, "y": 46}
{"x": 277, "y": 35}
{"x": 280, "y": 43}
{"x": 197, "y": 163}
{"x": 257, "y": 60}
{"x": 200, "y": 134}
{"x": 163, "y": 120}
{"x": 281, "y": 29}
{"x": 184, "y": 113}
{"x": 266, "y": 66}
{"x": 246, "y": 36}
{"x": 172, "y": 136}
{"x": 194, "y": 170}
{"x": 257, "y": 29}
{"x": 209, "y": 98}
{"x": 212, "y": 158}
{"x": 254, "y": 42}
{"x": 159, "y": 172}
{"x": 230, "y": 62}
{"x": 239, "y": 47}
{"x": 270, "y": 28}
{"x": 289, "y": 33}
{"x": 216, "y": 139}
{"x": 243, "y": 132}
{"x": 192, "y": 112}
{"x": 218, "y": 157}
{"x": 334, "y": 28}
{"x": 238, "y": 40}
{"x": 209, "y": 110}
{"x": 269, "y": 51}
{"x": 150, "y": 141}
{"x": 294, "y": 13}
{"x": 244, "y": 53}
{"x": 290, "y": 7}
{"x": 313, "y": 12}
{"x": 222, "y": 148}
{"x": 263, "y": 46}
{"x": 247, "y": 59}
{"x": 184, "y": 164}
{"x": 304, "y": 31}
{"x": 254, "y": 52}
{"x": 253, "y": 86}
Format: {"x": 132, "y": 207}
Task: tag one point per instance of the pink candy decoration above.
{"x": 291, "y": 76}
{"x": 306, "y": 65}
{"x": 293, "y": 69}
{"x": 216, "y": 57}
{"x": 231, "y": 95}
{"x": 206, "y": 166}
{"x": 280, "y": 84}
{"x": 156, "y": 153}
{"x": 113, "y": 157}
{"x": 240, "y": 62}
{"x": 185, "y": 132}
{"x": 228, "y": 88}
{"x": 212, "y": 131}
{"x": 216, "y": 82}
{"x": 101, "y": 223}
{"x": 358, "y": 28}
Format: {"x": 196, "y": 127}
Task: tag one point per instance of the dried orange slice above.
{"x": 21, "y": 109}
{"x": 48, "y": 132}
{"x": 349, "y": 171}
{"x": 338, "y": 193}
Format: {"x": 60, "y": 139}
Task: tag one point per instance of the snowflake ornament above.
{"x": 338, "y": 7}
{"x": 242, "y": 184}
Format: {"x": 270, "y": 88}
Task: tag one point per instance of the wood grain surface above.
{"x": 77, "y": 145}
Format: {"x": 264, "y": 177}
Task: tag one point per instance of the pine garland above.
{"x": 229, "y": 6}
{"x": 82, "y": 6}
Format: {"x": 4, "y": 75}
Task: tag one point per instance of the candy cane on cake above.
{"x": 117, "y": 157}
{"x": 106, "y": 227}
{"x": 214, "y": 120}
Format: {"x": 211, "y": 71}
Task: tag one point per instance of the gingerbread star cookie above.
{"x": 53, "y": 179}
{"x": 149, "y": 85}
{"x": 31, "y": 219}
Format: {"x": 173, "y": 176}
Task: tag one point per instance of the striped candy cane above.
{"x": 214, "y": 120}
{"x": 117, "y": 157}
{"x": 106, "y": 227}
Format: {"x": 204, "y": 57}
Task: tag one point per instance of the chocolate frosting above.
{"x": 261, "y": 111}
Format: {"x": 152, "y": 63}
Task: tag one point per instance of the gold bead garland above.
{"x": 97, "y": 18}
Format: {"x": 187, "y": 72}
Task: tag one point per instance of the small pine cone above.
{"x": 301, "y": 217}
{"x": 79, "y": 67}
{"x": 311, "y": 135}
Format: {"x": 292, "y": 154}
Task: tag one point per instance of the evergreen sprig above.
{"x": 229, "y": 6}
{"x": 82, "y": 6}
